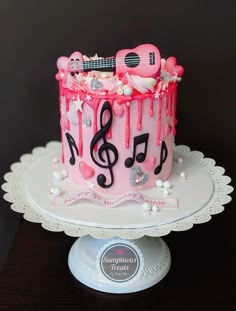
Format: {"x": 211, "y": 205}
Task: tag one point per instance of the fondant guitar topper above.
{"x": 144, "y": 60}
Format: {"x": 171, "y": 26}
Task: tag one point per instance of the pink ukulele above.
{"x": 144, "y": 61}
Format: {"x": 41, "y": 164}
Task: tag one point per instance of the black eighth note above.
{"x": 141, "y": 156}
{"x": 72, "y": 144}
{"x": 163, "y": 157}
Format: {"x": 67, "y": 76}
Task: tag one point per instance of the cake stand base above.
{"x": 118, "y": 265}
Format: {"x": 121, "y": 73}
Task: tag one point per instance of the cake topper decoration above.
{"x": 143, "y": 60}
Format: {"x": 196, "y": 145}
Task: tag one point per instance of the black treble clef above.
{"x": 105, "y": 147}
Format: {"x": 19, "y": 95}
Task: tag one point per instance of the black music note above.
{"x": 163, "y": 157}
{"x": 71, "y": 143}
{"x": 140, "y": 157}
{"x": 105, "y": 147}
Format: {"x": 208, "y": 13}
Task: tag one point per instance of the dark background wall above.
{"x": 201, "y": 34}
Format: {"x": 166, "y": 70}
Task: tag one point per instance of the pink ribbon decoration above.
{"x": 98, "y": 199}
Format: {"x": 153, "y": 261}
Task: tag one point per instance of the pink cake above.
{"x": 118, "y": 118}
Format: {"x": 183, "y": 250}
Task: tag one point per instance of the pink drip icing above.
{"x": 174, "y": 109}
{"x": 80, "y": 146}
{"x": 151, "y": 107}
{"x": 95, "y": 124}
{"x": 109, "y": 133}
{"x": 67, "y": 109}
{"x": 127, "y": 126}
{"x": 159, "y": 122}
{"x": 139, "y": 126}
{"x": 171, "y": 102}
{"x": 167, "y": 98}
{"x": 61, "y": 92}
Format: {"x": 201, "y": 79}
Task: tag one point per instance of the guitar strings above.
{"x": 96, "y": 66}
{"x": 111, "y": 58}
{"x": 115, "y": 60}
{"x": 95, "y": 63}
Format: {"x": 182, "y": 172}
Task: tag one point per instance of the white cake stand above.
{"x": 119, "y": 250}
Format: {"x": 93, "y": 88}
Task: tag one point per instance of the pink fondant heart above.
{"x": 150, "y": 163}
{"x": 173, "y": 68}
{"x": 167, "y": 129}
{"x": 118, "y": 109}
{"x": 86, "y": 170}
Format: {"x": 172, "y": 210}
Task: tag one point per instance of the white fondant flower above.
{"x": 88, "y": 97}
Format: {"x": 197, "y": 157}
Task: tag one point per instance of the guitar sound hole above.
{"x": 132, "y": 60}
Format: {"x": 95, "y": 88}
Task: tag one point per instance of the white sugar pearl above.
{"x": 180, "y": 160}
{"x": 183, "y": 175}
{"x": 128, "y": 104}
{"x": 128, "y": 91}
{"x": 57, "y": 176}
{"x": 167, "y": 185}
{"x": 159, "y": 183}
{"x": 165, "y": 193}
{"x": 119, "y": 83}
{"x": 120, "y": 91}
{"x": 64, "y": 173}
{"x": 55, "y": 161}
{"x": 56, "y": 191}
{"x": 155, "y": 208}
{"x": 146, "y": 207}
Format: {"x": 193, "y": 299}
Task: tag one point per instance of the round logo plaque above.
{"x": 120, "y": 262}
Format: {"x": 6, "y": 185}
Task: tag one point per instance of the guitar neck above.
{"x": 106, "y": 64}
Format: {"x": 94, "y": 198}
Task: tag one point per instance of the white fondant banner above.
{"x": 116, "y": 200}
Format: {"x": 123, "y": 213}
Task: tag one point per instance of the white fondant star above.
{"x": 78, "y": 104}
{"x": 90, "y": 184}
{"x": 157, "y": 95}
{"x": 95, "y": 57}
{"x": 88, "y": 97}
{"x": 87, "y": 79}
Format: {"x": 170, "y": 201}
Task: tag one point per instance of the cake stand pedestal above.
{"x": 119, "y": 265}
{"x": 119, "y": 250}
